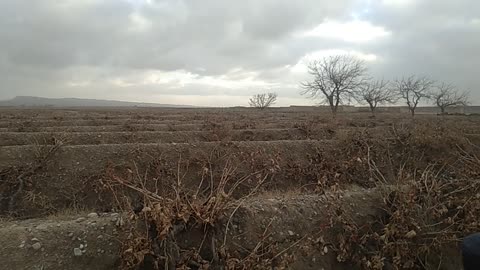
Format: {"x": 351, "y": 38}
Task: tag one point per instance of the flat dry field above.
{"x": 283, "y": 188}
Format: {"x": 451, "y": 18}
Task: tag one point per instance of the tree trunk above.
{"x": 372, "y": 110}
{"x": 442, "y": 109}
{"x": 334, "y": 110}
{"x": 333, "y": 106}
{"x": 412, "y": 111}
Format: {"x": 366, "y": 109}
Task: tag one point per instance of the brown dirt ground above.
{"x": 86, "y": 138}
{"x": 294, "y": 148}
{"x": 286, "y": 218}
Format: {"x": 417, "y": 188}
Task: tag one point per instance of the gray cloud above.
{"x": 433, "y": 38}
{"x": 173, "y": 50}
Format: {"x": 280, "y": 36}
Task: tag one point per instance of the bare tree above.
{"x": 376, "y": 93}
{"x": 413, "y": 89}
{"x": 335, "y": 79}
{"x": 263, "y": 101}
{"x": 445, "y": 95}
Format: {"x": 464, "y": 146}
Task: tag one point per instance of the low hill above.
{"x": 28, "y": 101}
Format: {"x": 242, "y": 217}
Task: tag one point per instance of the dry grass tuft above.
{"x": 17, "y": 183}
{"x": 429, "y": 206}
{"x": 158, "y": 221}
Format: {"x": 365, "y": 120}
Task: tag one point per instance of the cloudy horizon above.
{"x": 219, "y": 53}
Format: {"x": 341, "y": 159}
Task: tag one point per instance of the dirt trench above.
{"x": 73, "y": 172}
{"x": 93, "y": 241}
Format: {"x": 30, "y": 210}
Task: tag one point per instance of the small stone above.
{"x": 84, "y": 251}
{"x": 77, "y": 252}
{"x": 37, "y": 246}
{"x": 102, "y": 228}
{"x": 42, "y": 227}
{"x": 411, "y": 234}
{"x": 92, "y": 215}
{"x": 100, "y": 237}
{"x": 114, "y": 214}
{"x": 35, "y": 239}
{"x": 70, "y": 234}
{"x": 291, "y": 233}
{"x": 80, "y": 219}
{"x": 81, "y": 246}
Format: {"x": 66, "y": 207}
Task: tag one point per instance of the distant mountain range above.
{"x": 27, "y": 101}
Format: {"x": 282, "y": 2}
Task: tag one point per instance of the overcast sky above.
{"x": 219, "y": 52}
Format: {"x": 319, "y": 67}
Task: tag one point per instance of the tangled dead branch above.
{"x": 426, "y": 212}
{"x": 15, "y": 179}
{"x": 162, "y": 220}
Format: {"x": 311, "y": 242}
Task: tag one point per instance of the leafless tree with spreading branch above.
{"x": 376, "y": 93}
{"x": 335, "y": 79}
{"x": 413, "y": 89}
{"x": 445, "y": 95}
{"x": 262, "y": 101}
